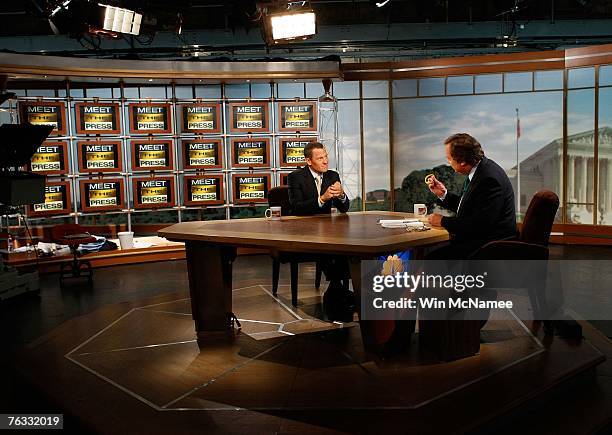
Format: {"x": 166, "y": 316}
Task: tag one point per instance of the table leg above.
{"x": 374, "y": 333}
{"x": 210, "y": 286}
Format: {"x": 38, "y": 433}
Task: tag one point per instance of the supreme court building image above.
{"x": 306, "y": 217}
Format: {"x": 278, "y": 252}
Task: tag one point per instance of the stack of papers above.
{"x": 401, "y": 223}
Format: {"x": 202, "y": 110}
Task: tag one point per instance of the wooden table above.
{"x": 211, "y": 249}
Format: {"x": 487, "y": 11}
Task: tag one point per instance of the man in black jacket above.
{"x": 483, "y": 212}
{"x": 485, "y": 209}
{"x": 315, "y": 189}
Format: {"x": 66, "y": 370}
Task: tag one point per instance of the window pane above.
{"x": 96, "y": 92}
{"x": 349, "y": 149}
{"x": 459, "y": 85}
{"x": 604, "y": 197}
{"x": 430, "y": 87}
{"x": 260, "y": 90}
{"x": 346, "y": 89}
{"x": 314, "y": 90}
{"x": 373, "y": 89}
{"x": 488, "y": 83}
{"x": 237, "y": 91}
{"x": 404, "y": 88}
{"x": 290, "y": 90}
{"x": 548, "y": 80}
{"x": 605, "y": 75}
{"x": 581, "y": 78}
{"x": 18, "y": 92}
{"x": 208, "y": 91}
{"x": 376, "y": 154}
{"x": 41, "y": 92}
{"x": 517, "y": 82}
{"x": 158, "y": 92}
{"x": 184, "y": 92}
{"x": 131, "y": 92}
{"x": 74, "y": 93}
{"x": 580, "y": 152}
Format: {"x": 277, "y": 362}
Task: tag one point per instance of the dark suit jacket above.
{"x": 303, "y": 194}
{"x": 487, "y": 210}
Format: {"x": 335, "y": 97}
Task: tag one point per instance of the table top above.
{"x": 356, "y": 233}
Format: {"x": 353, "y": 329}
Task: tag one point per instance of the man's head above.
{"x": 316, "y": 157}
{"x": 463, "y": 152}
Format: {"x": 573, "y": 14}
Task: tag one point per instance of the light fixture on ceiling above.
{"x": 382, "y": 3}
{"x": 63, "y": 5}
{"x": 120, "y": 20}
{"x": 296, "y": 21}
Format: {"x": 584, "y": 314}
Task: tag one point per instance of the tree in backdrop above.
{"x": 415, "y": 191}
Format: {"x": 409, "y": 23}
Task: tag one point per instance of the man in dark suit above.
{"x": 483, "y": 212}
{"x": 485, "y": 209}
{"x": 315, "y": 189}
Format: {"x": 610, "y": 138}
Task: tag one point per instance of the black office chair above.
{"x": 279, "y": 197}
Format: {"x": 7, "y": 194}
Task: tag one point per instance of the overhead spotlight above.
{"x": 381, "y": 4}
{"x": 295, "y": 22}
{"x": 120, "y": 20}
{"x": 63, "y": 5}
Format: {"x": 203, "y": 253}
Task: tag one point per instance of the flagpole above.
{"x": 518, "y": 166}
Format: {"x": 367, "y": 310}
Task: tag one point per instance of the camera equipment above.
{"x": 18, "y": 143}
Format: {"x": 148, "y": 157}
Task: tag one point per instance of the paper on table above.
{"x": 141, "y": 244}
{"x": 396, "y": 221}
{"x": 401, "y": 224}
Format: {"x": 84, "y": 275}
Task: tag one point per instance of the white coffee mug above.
{"x": 273, "y": 213}
{"x": 420, "y": 210}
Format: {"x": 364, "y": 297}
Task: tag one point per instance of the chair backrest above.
{"x": 59, "y": 231}
{"x": 539, "y": 218}
{"x": 279, "y": 196}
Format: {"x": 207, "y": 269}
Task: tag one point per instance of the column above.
{"x": 582, "y": 184}
{"x": 608, "y": 185}
{"x": 560, "y": 170}
{"x": 570, "y": 179}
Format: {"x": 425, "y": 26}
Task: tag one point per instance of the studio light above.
{"x": 296, "y": 22}
{"x": 121, "y": 20}
{"x": 293, "y": 25}
{"x": 382, "y": 3}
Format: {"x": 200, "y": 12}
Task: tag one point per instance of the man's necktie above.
{"x": 318, "y": 182}
{"x": 466, "y": 183}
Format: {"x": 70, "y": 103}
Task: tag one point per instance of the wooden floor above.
{"x": 134, "y": 367}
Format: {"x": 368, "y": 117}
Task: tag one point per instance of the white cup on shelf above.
{"x": 126, "y": 239}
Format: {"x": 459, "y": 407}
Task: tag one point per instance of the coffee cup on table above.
{"x": 273, "y": 213}
{"x": 420, "y": 210}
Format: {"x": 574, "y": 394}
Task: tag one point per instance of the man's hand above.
{"x": 333, "y": 191}
{"x": 336, "y": 189}
{"x": 436, "y": 186}
{"x": 435, "y": 220}
{"x": 328, "y": 194}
